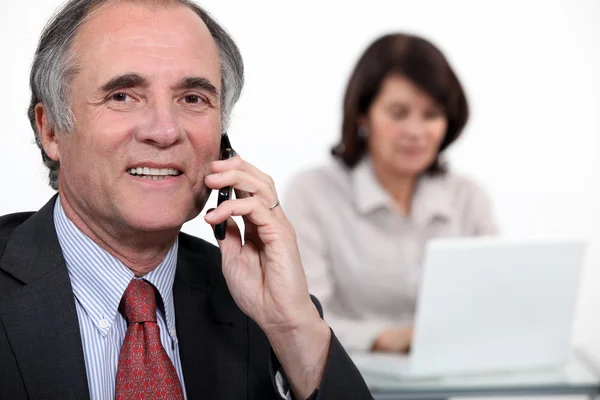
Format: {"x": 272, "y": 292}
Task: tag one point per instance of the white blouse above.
{"x": 361, "y": 256}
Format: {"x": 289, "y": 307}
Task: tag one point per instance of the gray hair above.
{"x": 54, "y": 66}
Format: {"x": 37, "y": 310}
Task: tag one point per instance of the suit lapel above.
{"x": 40, "y": 318}
{"x": 212, "y": 331}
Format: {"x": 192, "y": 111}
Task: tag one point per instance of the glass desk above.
{"x": 579, "y": 377}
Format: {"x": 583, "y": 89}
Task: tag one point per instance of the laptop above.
{"x": 490, "y": 305}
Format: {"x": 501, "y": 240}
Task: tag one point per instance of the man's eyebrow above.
{"x": 124, "y": 81}
{"x": 198, "y": 83}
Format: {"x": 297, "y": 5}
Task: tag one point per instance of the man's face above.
{"x": 147, "y": 117}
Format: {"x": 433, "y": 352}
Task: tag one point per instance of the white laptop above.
{"x": 490, "y": 305}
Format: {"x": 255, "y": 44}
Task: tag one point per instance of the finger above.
{"x": 237, "y": 163}
{"x": 251, "y": 208}
{"x": 242, "y": 181}
{"x": 246, "y": 185}
{"x": 232, "y": 244}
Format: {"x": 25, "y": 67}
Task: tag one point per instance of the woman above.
{"x": 363, "y": 221}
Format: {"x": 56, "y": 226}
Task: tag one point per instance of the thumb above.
{"x": 232, "y": 244}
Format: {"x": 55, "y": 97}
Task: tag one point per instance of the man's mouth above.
{"x": 154, "y": 174}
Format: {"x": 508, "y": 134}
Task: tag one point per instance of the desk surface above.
{"x": 579, "y": 376}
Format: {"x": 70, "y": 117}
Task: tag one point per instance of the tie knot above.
{"x": 139, "y": 302}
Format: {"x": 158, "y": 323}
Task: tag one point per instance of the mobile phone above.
{"x": 224, "y": 193}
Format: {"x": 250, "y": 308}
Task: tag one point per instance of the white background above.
{"x": 530, "y": 69}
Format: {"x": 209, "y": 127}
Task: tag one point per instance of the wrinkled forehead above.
{"x": 133, "y": 36}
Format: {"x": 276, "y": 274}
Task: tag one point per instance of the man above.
{"x": 101, "y": 296}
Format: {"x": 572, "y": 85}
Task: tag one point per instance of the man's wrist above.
{"x": 303, "y": 353}
{"x": 299, "y": 336}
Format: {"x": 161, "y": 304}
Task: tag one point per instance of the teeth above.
{"x": 152, "y": 173}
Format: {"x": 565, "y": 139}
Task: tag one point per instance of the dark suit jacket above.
{"x": 224, "y": 354}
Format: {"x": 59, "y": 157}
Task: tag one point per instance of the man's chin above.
{"x": 155, "y": 226}
{"x": 155, "y": 221}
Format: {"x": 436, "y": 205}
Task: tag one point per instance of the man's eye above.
{"x": 120, "y": 97}
{"x": 193, "y": 99}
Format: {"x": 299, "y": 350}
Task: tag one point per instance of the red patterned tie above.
{"x": 145, "y": 370}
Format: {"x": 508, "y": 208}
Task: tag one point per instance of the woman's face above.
{"x": 405, "y": 128}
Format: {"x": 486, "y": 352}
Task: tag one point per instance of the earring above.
{"x": 339, "y": 149}
{"x": 363, "y": 132}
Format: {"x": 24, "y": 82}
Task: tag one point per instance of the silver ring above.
{"x": 274, "y": 205}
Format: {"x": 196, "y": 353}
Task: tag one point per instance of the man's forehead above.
{"x": 135, "y": 29}
{"x": 147, "y": 8}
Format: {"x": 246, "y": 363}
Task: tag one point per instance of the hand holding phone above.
{"x": 262, "y": 266}
{"x": 224, "y": 193}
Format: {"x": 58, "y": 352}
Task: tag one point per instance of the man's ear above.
{"x": 46, "y": 132}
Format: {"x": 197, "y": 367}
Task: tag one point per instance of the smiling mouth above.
{"x": 153, "y": 174}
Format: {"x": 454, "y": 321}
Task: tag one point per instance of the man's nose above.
{"x": 161, "y": 128}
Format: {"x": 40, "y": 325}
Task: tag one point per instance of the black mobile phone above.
{"x": 224, "y": 193}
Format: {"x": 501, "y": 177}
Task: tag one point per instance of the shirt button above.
{"x": 173, "y": 332}
{"x": 104, "y": 323}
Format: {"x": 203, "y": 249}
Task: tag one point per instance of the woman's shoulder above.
{"x": 460, "y": 181}
{"x": 462, "y": 188}
{"x": 472, "y": 205}
{"x": 326, "y": 183}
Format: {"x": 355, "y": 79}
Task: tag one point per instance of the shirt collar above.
{"x": 369, "y": 195}
{"x": 431, "y": 199}
{"x": 99, "y": 279}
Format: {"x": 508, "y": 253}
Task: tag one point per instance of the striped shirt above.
{"x": 99, "y": 281}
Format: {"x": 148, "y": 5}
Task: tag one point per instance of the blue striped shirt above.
{"x": 99, "y": 281}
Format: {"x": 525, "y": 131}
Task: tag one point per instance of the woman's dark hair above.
{"x": 420, "y": 62}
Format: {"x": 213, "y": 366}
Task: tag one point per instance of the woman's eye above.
{"x": 433, "y": 114}
{"x": 398, "y": 114}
